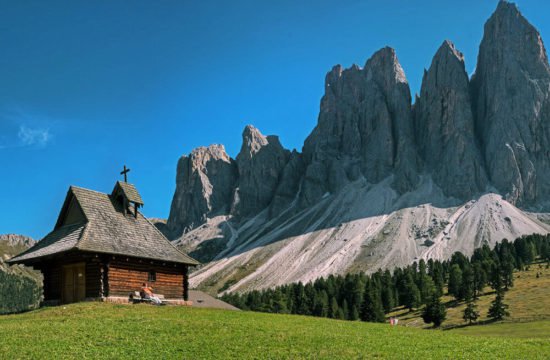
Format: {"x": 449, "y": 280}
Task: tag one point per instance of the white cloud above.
{"x": 33, "y": 137}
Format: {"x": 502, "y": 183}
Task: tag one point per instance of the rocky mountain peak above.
{"x": 380, "y": 182}
{"x": 385, "y": 67}
{"x": 444, "y": 126}
{"x": 260, "y": 163}
{"x": 509, "y": 37}
{"x": 253, "y": 141}
{"x": 448, "y": 50}
{"x": 204, "y": 186}
{"x": 510, "y": 89}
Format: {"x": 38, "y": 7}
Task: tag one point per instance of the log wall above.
{"x": 127, "y": 275}
{"x": 108, "y": 275}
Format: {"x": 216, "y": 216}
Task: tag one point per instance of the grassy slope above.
{"x": 96, "y": 330}
{"x": 529, "y": 302}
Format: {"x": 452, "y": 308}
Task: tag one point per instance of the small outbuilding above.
{"x": 103, "y": 248}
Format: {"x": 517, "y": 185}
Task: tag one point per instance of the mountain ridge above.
{"x": 484, "y": 139}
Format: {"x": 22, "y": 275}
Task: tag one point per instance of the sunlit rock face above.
{"x": 510, "y": 91}
{"x": 380, "y": 182}
{"x": 444, "y": 125}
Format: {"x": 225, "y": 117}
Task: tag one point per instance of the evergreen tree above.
{"x": 412, "y": 297}
{"x": 354, "y": 313}
{"x": 438, "y": 277}
{"x": 470, "y": 312}
{"x": 333, "y": 311}
{"x": 434, "y": 312}
{"x": 387, "y": 292}
{"x": 495, "y": 277}
{"x": 467, "y": 287}
{"x": 455, "y": 281}
{"x": 345, "y": 309}
{"x": 507, "y": 273}
{"x": 278, "y": 302}
{"x": 299, "y": 300}
{"x": 371, "y": 309}
{"x": 545, "y": 251}
{"x": 340, "y": 315}
{"x": 498, "y": 309}
{"x": 480, "y": 278}
{"x": 427, "y": 289}
{"x": 320, "y": 307}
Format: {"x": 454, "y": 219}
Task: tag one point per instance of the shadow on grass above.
{"x": 477, "y": 323}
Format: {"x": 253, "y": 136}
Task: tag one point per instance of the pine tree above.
{"x": 387, "y": 292}
{"x": 495, "y": 277}
{"x": 470, "y": 312}
{"x": 545, "y": 251}
{"x": 427, "y": 289}
{"x": 354, "y": 313}
{"x": 434, "y": 312}
{"x": 371, "y": 308}
{"x": 437, "y": 276}
{"x": 412, "y": 295}
{"x": 333, "y": 310}
{"x": 480, "y": 278}
{"x": 467, "y": 287}
{"x": 278, "y": 302}
{"x": 455, "y": 282}
{"x": 345, "y": 309}
{"x": 340, "y": 315}
{"x": 498, "y": 309}
{"x": 320, "y": 307}
{"x": 507, "y": 274}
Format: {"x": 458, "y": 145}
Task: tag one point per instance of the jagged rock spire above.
{"x": 260, "y": 163}
{"x": 510, "y": 89}
{"x": 444, "y": 126}
{"x": 205, "y": 182}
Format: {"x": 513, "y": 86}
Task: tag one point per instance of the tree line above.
{"x": 369, "y": 297}
{"x": 18, "y": 293}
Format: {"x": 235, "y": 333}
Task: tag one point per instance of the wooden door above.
{"x": 74, "y": 283}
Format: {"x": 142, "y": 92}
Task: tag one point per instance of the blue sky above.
{"x": 86, "y": 87}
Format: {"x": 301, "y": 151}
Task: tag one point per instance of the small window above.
{"x": 152, "y": 276}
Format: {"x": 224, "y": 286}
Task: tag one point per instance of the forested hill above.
{"x": 20, "y": 287}
{"x": 372, "y": 297}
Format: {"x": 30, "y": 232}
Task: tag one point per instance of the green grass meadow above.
{"x": 108, "y": 331}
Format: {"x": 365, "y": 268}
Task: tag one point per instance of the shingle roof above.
{"x": 63, "y": 239}
{"x": 107, "y": 230}
{"x": 130, "y": 192}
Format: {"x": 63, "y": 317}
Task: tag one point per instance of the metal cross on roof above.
{"x": 125, "y": 172}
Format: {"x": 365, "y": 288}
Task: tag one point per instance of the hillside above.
{"x": 20, "y": 286}
{"x": 529, "y": 302}
{"x": 12, "y": 244}
{"x": 101, "y": 331}
{"x": 383, "y": 179}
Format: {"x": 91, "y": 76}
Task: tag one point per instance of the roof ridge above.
{"x": 125, "y": 182}
{"x": 90, "y": 190}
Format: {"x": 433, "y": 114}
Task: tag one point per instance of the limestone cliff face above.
{"x": 288, "y": 188}
{"x": 364, "y": 129}
{"x": 444, "y": 125}
{"x": 462, "y": 139}
{"x": 260, "y": 164}
{"x": 205, "y": 183}
{"x": 510, "y": 89}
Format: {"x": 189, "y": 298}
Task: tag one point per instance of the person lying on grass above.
{"x": 148, "y": 294}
